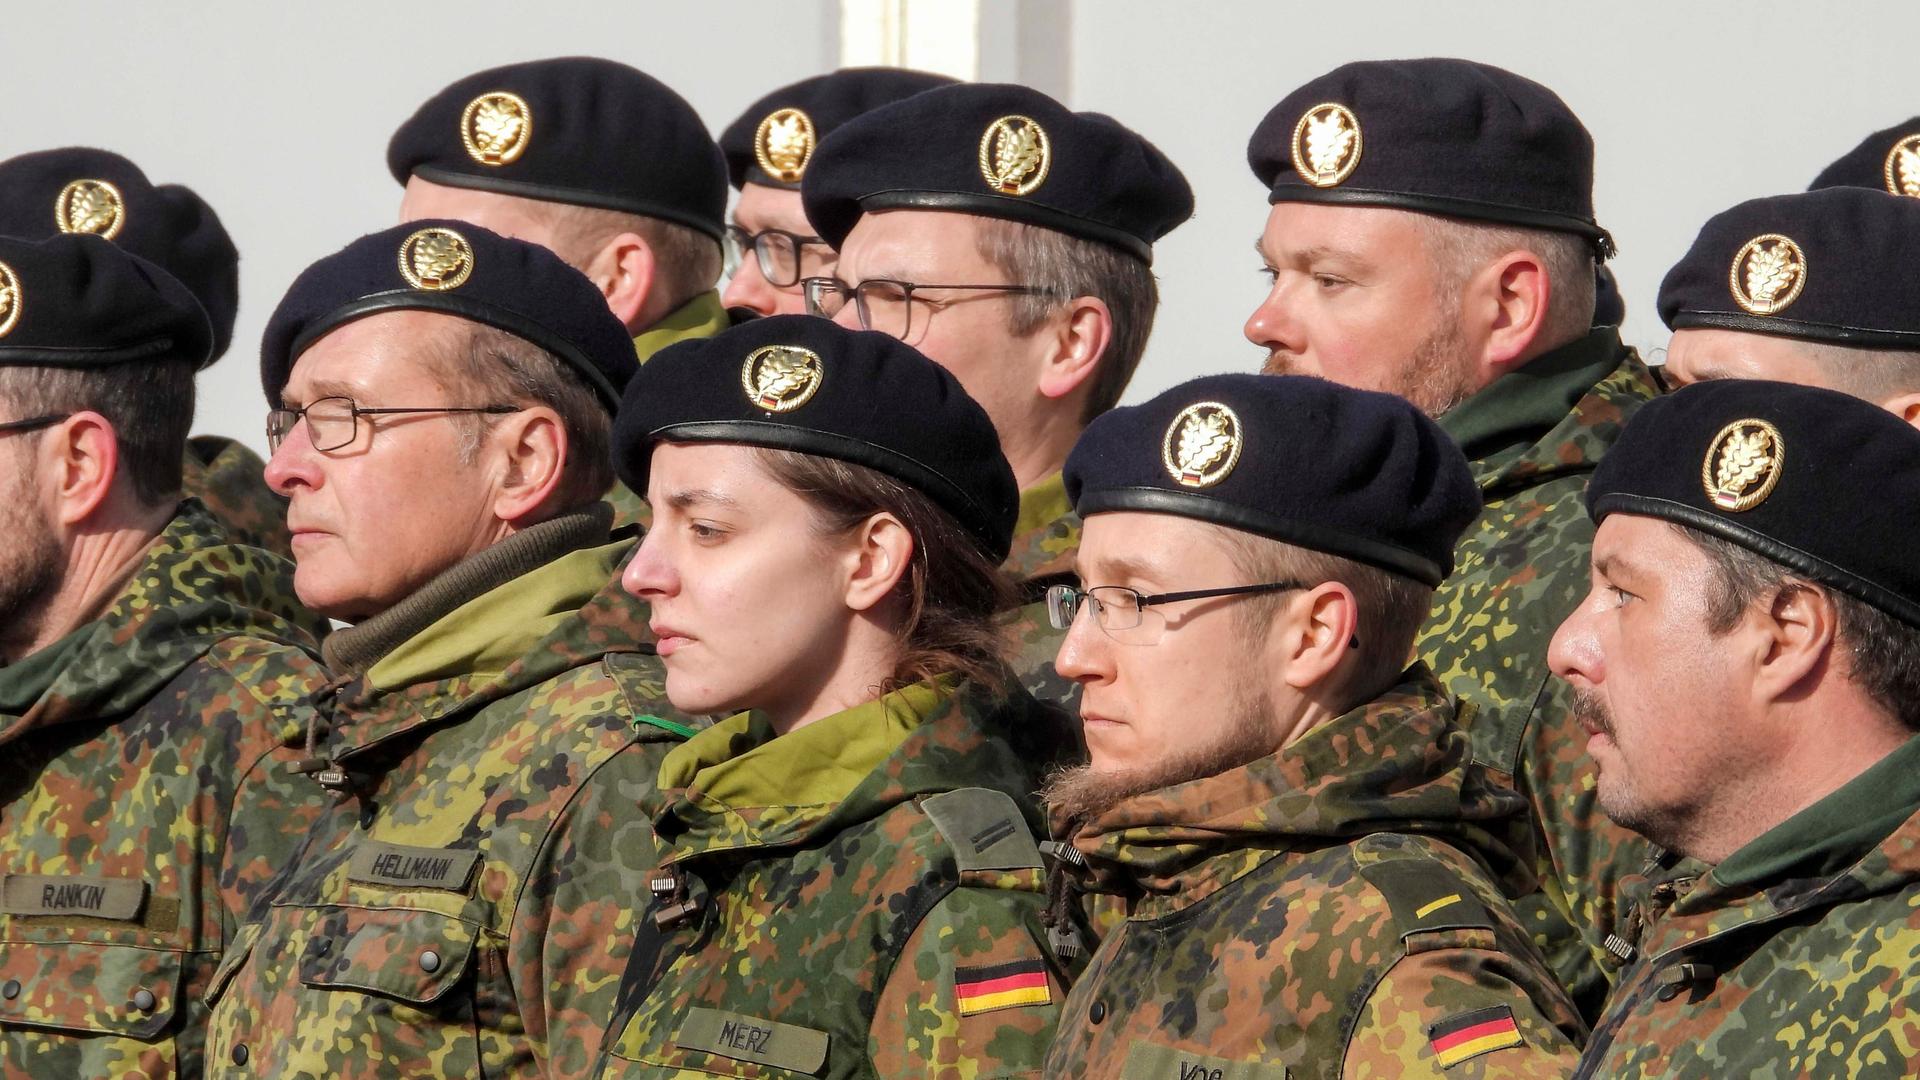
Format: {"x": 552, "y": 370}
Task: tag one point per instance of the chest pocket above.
{"x": 122, "y": 990}
{"x": 412, "y": 955}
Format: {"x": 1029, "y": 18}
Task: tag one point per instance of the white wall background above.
{"x": 279, "y": 114}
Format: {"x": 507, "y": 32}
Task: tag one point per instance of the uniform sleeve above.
{"x": 582, "y": 912}
{"x": 273, "y": 807}
{"x": 974, "y": 994}
{"x": 1461, "y": 1012}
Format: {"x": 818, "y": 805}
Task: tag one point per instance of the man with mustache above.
{"x": 1431, "y": 234}
{"x": 1746, "y": 667}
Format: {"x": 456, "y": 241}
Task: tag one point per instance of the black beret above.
{"x": 795, "y": 382}
{"x": 80, "y": 190}
{"x": 773, "y": 141}
{"x": 1353, "y": 473}
{"x": 1889, "y": 160}
{"x": 81, "y": 302}
{"x": 1439, "y": 136}
{"x": 1812, "y": 479}
{"x": 998, "y": 151}
{"x": 459, "y": 269}
{"x": 1827, "y": 265}
{"x": 575, "y": 130}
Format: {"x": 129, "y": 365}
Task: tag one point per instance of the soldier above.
{"x": 1010, "y": 240}
{"x": 1796, "y": 288}
{"x": 605, "y": 165}
{"x": 79, "y": 190}
{"x": 1747, "y": 667}
{"x": 1315, "y": 872}
{"x": 153, "y": 675}
{"x": 768, "y": 148}
{"x": 829, "y": 510}
{"x": 1887, "y": 160}
{"x": 443, "y": 402}
{"x": 1431, "y": 234}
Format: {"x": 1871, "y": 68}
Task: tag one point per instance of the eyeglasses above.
{"x": 884, "y": 304}
{"x": 32, "y": 423}
{"x": 776, "y": 250}
{"x": 334, "y": 422}
{"x": 1122, "y": 612}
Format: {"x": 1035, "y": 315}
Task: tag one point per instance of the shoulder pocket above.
{"x": 409, "y": 954}
{"x": 121, "y": 990}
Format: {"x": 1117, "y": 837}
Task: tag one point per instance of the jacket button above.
{"x": 429, "y": 961}
{"x": 143, "y": 1000}
{"x": 11, "y": 990}
{"x": 240, "y": 1054}
{"x": 1097, "y": 1011}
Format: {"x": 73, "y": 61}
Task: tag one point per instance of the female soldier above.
{"x": 853, "y": 887}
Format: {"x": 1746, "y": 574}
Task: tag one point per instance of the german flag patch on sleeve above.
{"x": 1470, "y": 1034}
{"x": 1001, "y": 986}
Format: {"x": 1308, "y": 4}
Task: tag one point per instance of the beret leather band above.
{"x": 1305, "y": 534}
{"x": 569, "y": 196}
{"x": 83, "y": 356}
{"x": 1020, "y": 210}
{"x": 1452, "y": 207}
{"x": 1786, "y": 555}
{"x": 455, "y": 304}
{"x": 1776, "y": 326}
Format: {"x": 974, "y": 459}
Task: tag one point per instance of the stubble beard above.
{"x": 1084, "y": 793}
{"x": 30, "y": 566}
{"x": 1614, "y": 790}
{"x": 1435, "y": 378}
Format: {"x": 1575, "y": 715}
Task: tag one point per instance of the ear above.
{"x": 1904, "y": 406}
{"x": 529, "y": 452}
{"x": 880, "y": 551}
{"x": 625, "y": 270}
{"x": 1794, "y": 640}
{"x": 1505, "y": 306}
{"x": 1320, "y": 631}
{"x": 82, "y": 454}
{"x": 1077, "y": 339}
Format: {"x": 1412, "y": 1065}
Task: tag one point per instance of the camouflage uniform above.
{"x": 144, "y": 802}
{"x": 1045, "y": 541}
{"x": 1793, "y": 957}
{"x": 1534, "y": 439}
{"x": 701, "y": 317}
{"x": 860, "y": 897}
{"x": 1326, "y": 911}
{"x": 466, "y": 906}
{"x": 231, "y": 480}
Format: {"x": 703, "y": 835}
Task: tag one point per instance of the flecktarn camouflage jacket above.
{"x": 1337, "y": 909}
{"x": 144, "y": 802}
{"x": 860, "y": 897}
{"x": 466, "y": 907}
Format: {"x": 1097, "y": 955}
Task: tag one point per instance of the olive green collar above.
{"x": 1835, "y": 833}
{"x": 701, "y": 317}
{"x": 1520, "y": 408}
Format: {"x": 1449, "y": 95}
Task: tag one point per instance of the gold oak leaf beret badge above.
{"x": 496, "y": 127}
{"x": 1903, "y": 167}
{"x": 1015, "y": 155}
{"x": 1326, "y": 144}
{"x": 1202, "y": 445}
{"x": 10, "y": 299}
{"x": 1743, "y": 464}
{"x": 1768, "y": 273}
{"x": 93, "y": 207}
{"x": 436, "y": 260}
{"x": 781, "y": 378}
{"x": 783, "y": 144}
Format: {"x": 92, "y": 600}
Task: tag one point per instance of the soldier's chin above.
{"x": 340, "y": 597}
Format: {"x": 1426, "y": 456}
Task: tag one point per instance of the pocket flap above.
{"x": 404, "y": 953}
{"x": 79, "y": 986}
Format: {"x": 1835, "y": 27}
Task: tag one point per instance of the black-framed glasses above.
{"x": 1122, "y": 613}
{"x": 334, "y": 422}
{"x": 777, "y": 251}
{"x": 885, "y": 304}
{"x": 32, "y": 423}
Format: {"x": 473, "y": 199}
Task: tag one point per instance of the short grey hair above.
{"x": 149, "y": 404}
{"x": 1460, "y": 248}
{"x": 689, "y": 260}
